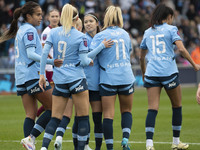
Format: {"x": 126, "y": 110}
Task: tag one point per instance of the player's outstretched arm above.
{"x": 85, "y": 60}
{"x": 36, "y": 57}
{"x": 186, "y": 55}
{"x": 104, "y": 44}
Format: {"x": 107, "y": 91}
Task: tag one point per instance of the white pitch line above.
{"x": 70, "y": 141}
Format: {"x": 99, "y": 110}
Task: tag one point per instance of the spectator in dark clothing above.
{"x": 191, "y": 14}
{"x": 135, "y": 23}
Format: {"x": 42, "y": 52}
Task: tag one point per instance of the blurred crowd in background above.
{"x": 136, "y": 15}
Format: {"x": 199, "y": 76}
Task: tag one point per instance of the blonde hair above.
{"x": 79, "y": 25}
{"x": 112, "y": 17}
{"x": 68, "y": 15}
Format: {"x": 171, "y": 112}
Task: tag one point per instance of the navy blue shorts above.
{"x": 65, "y": 90}
{"x": 31, "y": 87}
{"x": 110, "y": 90}
{"x": 94, "y": 96}
{"x": 168, "y": 83}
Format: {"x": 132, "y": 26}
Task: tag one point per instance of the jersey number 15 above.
{"x": 156, "y": 42}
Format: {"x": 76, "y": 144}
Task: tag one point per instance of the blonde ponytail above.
{"x": 113, "y": 17}
{"x": 68, "y": 15}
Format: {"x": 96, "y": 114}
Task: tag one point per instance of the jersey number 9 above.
{"x": 62, "y": 46}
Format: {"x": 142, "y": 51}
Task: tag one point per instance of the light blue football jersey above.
{"x": 160, "y": 45}
{"x": 92, "y": 72}
{"x": 114, "y": 61}
{"x": 25, "y": 68}
{"x": 67, "y": 47}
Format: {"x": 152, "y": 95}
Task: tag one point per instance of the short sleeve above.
{"x": 143, "y": 43}
{"x": 175, "y": 34}
{"x": 83, "y": 47}
{"x": 30, "y": 38}
{"x": 49, "y": 39}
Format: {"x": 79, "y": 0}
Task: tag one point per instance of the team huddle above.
{"x": 92, "y": 68}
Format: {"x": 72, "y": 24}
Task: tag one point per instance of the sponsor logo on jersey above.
{"x": 20, "y": 63}
{"x": 35, "y": 90}
{"x": 30, "y": 36}
{"x": 85, "y": 42}
{"x": 44, "y": 37}
{"x": 172, "y": 84}
{"x": 80, "y": 87}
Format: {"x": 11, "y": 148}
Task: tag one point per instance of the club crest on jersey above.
{"x": 178, "y": 33}
{"x": 44, "y": 37}
{"x": 30, "y": 36}
{"x": 85, "y": 42}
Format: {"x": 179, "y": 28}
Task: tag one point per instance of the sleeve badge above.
{"x": 30, "y": 36}
{"x": 178, "y": 33}
{"x": 44, "y": 37}
{"x": 85, "y": 42}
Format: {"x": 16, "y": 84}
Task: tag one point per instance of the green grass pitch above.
{"x": 12, "y": 116}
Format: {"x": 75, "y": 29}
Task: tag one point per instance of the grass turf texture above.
{"x": 12, "y": 117}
